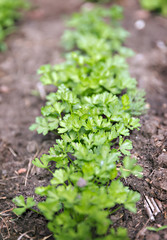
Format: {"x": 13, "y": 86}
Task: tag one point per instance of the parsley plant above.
{"x": 9, "y": 13}
{"x": 155, "y": 5}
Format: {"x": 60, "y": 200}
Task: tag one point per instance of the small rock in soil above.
{"x": 4, "y": 172}
{"x": 4, "y": 89}
{"x": 161, "y": 45}
{"x": 32, "y": 147}
{"x": 140, "y": 24}
{"x": 22, "y": 170}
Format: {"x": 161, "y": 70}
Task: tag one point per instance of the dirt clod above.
{"x": 152, "y": 236}
{"x": 159, "y": 178}
{"x": 162, "y": 159}
{"x": 32, "y": 146}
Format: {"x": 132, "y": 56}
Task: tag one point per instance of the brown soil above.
{"x": 37, "y": 42}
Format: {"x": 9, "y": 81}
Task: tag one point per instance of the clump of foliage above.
{"x": 9, "y": 13}
{"x": 155, "y": 5}
{"x": 91, "y": 30}
{"x": 93, "y": 111}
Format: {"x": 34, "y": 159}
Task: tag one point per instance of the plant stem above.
{"x": 35, "y": 211}
{"x": 115, "y": 210}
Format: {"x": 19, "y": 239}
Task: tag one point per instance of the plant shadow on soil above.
{"x": 37, "y": 42}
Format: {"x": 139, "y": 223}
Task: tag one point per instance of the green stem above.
{"x": 35, "y": 211}
{"x": 50, "y": 171}
{"x": 69, "y": 159}
{"x": 78, "y": 137}
{"x": 71, "y": 109}
{"x": 115, "y": 210}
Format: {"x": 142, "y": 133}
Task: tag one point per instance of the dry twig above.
{"x": 142, "y": 231}
{"x": 30, "y": 164}
{"x": 9, "y": 210}
{"x": 12, "y": 152}
{"x": 45, "y": 238}
{"x": 25, "y": 235}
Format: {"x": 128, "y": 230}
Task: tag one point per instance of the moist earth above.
{"x": 37, "y": 42}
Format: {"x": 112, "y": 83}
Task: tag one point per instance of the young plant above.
{"x": 103, "y": 37}
{"x": 157, "y": 229}
{"x": 9, "y": 13}
{"x": 93, "y": 113}
{"x": 156, "y": 5}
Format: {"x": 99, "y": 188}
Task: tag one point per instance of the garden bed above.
{"x": 37, "y": 42}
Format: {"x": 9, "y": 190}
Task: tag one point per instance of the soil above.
{"x": 37, "y": 42}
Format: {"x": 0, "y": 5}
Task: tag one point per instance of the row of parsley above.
{"x": 92, "y": 111}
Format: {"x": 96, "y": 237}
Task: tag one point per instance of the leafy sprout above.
{"x": 9, "y": 13}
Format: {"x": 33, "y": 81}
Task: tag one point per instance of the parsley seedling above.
{"x": 158, "y": 5}
{"x": 9, "y": 13}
